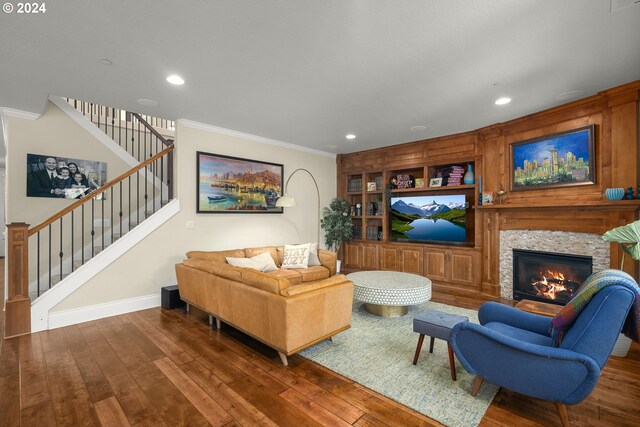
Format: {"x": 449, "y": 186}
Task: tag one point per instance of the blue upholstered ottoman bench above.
{"x": 436, "y": 324}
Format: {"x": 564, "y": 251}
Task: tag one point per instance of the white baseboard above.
{"x": 74, "y": 316}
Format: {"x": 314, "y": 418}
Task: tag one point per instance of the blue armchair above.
{"x": 514, "y": 349}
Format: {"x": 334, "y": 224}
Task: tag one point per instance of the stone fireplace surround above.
{"x": 548, "y": 241}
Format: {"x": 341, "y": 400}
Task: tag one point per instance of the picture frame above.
{"x": 558, "y": 160}
{"x": 55, "y": 176}
{"x": 228, "y": 184}
{"x": 487, "y": 198}
{"x": 435, "y": 182}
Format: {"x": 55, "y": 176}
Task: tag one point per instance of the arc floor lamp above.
{"x": 287, "y": 201}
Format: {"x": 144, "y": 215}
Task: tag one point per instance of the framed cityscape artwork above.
{"x": 234, "y": 185}
{"x": 557, "y": 160}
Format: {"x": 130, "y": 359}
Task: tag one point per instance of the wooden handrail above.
{"x": 101, "y": 190}
{"x": 151, "y": 128}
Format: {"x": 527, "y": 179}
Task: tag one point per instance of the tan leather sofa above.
{"x": 288, "y": 310}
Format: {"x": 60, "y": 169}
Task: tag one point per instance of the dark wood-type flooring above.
{"x": 163, "y": 367}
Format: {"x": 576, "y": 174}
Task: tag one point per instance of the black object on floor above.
{"x": 171, "y": 298}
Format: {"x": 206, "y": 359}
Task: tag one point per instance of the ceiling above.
{"x": 309, "y": 72}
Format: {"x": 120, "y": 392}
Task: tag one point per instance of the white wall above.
{"x": 53, "y": 133}
{"x": 3, "y": 233}
{"x": 150, "y": 265}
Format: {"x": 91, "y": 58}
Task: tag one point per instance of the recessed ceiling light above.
{"x": 148, "y": 102}
{"x": 175, "y": 79}
{"x": 106, "y": 61}
{"x": 502, "y": 101}
{"x": 417, "y": 128}
{"x": 572, "y": 94}
{"x": 350, "y": 136}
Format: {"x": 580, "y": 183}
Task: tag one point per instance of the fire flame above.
{"x": 550, "y": 284}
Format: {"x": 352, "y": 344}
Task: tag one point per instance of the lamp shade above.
{"x": 285, "y": 201}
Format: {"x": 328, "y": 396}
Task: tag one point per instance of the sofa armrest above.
{"x": 328, "y": 260}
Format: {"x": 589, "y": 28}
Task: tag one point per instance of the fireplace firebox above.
{"x": 547, "y": 276}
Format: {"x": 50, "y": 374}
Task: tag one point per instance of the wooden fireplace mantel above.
{"x": 598, "y": 204}
{"x": 579, "y": 217}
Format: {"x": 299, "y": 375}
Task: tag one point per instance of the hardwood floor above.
{"x": 164, "y": 367}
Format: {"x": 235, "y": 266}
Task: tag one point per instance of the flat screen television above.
{"x": 433, "y": 219}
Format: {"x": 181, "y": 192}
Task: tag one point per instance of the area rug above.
{"x": 378, "y": 352}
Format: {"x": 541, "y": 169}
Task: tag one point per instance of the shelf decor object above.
{"x": 469, "y": 177}
{"x": 557, "y": 160}
{"x": 289, "y": 201}
{"x": 235, "y": 185}
{"x": 614, "y": 193}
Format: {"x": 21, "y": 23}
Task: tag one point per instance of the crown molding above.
{"x": 20, "y": 114}
{"x": 253, "y": 138}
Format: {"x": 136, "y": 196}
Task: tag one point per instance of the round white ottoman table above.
{"x": 390, "y": 293}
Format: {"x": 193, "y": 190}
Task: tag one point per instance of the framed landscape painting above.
{"x": 557, "y": 160}
{"x": 234, "y": 185}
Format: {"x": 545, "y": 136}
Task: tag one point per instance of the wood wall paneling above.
{"x": 411, "y": 259}
{"x": 389, "y": 258}
{"x": 435, "y": 265}
{"x": 615, "y": 114}
{"x": 370, "y": 257}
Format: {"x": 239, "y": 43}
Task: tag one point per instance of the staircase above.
{"x": 48, "y": 261}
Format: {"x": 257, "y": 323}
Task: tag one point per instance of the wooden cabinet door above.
{"x": 411, "y": 258}
{"x": 370, "y": 257}
{"x": 353, "y": 255}
{"x": 389, "y": 258}
{"x": 463, "y": 267}
{"x": 435, "y": 264}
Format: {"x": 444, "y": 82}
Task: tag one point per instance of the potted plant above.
{"x": 628, "y": 237}
{"x": 337, "y": 225}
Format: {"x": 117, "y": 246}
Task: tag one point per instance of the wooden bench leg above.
{"x": 431, "y": 344}
{"x": 476, "y": 385}
{"x": 418, "y": 348}
{"x": 452, "y": 362}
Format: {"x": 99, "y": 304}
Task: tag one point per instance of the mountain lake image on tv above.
{"x": 439, "y": 218}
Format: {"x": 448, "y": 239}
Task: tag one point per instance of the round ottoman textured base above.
{"x": 387, "y": 310}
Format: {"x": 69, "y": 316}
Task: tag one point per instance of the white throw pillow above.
{"x": 243, "y": 262}
{"x": 314, "y": 259}
{"x": 265, "y": 262}
{"x": 296, "y": 256}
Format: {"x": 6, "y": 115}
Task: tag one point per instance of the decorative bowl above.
{"x": 614, "y": 193}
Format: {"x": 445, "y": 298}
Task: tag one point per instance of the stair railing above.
{"x": 137, "y": 134}
{"x": 74, "y": 235}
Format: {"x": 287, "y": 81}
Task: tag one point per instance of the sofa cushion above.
{"x": 296, "y": 256}
{"x": 220, "y": 256}
{"x": 265, "y": 262}
{"x": 313, "y": 255}
{"x": 313, "y": 273}
{"x": 263, "y": 281}
{"x": 243, "y": 262}
{"x": 273, "y": 251}
{"x": 292, "y": 276}
{"x": 215, "y": 267}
